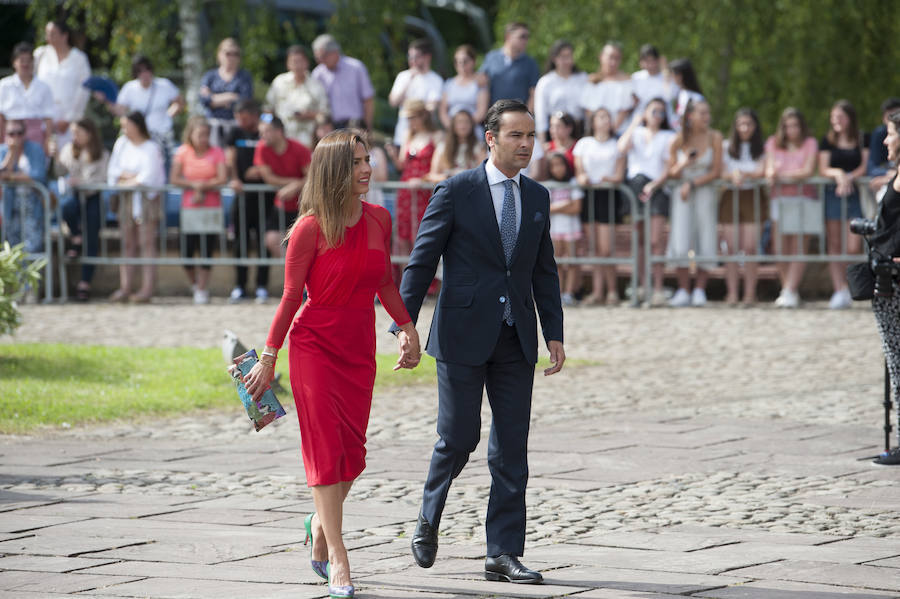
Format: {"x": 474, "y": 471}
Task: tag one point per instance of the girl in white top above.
{"x": 646, "y": 143}
{"x": 136, "y": 160}
{"x": 743, "y": 158}
{"x": 565, "y": 225}
{"x": 688, "y": 89}
{"x": 559, "y": 90}
{"x": 695, "y": 158}
{"x": 597, "y": 161}
{"x": 463, "y": 92}
{"x": 609, "y": 88}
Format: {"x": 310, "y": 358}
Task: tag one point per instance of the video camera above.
{"x": 885, "y": 269}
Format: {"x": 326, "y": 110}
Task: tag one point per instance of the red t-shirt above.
{"x": 199, "y": 168}
{"x": 570, "y": 153}
{"x": 294, "y": 163}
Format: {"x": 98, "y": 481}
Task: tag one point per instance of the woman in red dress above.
{"x": 414, "y": 162}
{"x": 339, "y": 251}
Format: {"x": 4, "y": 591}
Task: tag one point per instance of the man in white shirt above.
{"x": 64, "y": 68}
{"x": 650, "y": 82}
{"x": 25, "y": 98}
{"x": 418, "y": 82}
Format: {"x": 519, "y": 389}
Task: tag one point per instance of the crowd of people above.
{"x": 649, "y": 130}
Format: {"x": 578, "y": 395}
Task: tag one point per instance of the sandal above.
{"x": 82, "y": 292}
{"x": 139, "y": 298}
{"x": 119, "y": 296}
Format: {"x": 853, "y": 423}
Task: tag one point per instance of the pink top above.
{"x": 199, "y": 168}
{"x": 787, "y": 160}
{"x": 347, "y": 276}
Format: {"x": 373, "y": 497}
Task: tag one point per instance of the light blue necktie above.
{"x": 508, "y": 236}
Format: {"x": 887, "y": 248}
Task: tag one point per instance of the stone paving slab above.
{"x": 671, "y": 462}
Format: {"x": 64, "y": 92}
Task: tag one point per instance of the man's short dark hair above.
{"x": 20, "y": 49}
{"x": 890, "y": 105}
{"x": 648, "y": 51}
{"x": 422, "y": 45}
{"x": 274, "y": 122}
{"x": 248, "y": 105}
{"x": 140, "y": 63}
{"x": 510, "y": 27}
{"x": 492, "y": 118}
{"x": 297, "y": 49}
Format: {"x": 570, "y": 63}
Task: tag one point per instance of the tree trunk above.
{"x": 191, "y": 52}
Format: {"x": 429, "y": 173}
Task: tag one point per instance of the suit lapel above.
{"x": 483, "y": 209}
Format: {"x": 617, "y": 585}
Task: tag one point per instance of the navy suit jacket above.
{"x": 460, "y": 224}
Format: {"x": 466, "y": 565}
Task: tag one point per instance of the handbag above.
{"x": 861, "y": 281}
{"x": 208, "y": 220}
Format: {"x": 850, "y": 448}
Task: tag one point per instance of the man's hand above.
{"x": 557, "y": 357}
{"x": 410, "y": 351}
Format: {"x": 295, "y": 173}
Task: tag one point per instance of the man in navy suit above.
{"x": 491, "y": 225}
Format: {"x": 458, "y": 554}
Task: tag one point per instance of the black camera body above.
{"x": 885, "y": 269}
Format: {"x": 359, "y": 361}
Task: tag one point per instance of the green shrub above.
{"x": 16, "y": 275}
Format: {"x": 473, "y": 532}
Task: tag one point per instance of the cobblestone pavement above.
{"x": 704, "y": 453}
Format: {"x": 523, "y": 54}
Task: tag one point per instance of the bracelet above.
{"x": 269, "y": 364}
{"x": 270, "y": 354}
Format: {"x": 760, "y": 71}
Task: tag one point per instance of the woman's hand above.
{"x": 410, "y": 351}
{"x": 258, "y": 379}
{"x": 737, "y": 177}
{"x": 685, "y": 190}
{"x": 844, "y": 185}
{"x": 647, "y": 192}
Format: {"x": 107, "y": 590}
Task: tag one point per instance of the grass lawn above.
{"x": 56, "y": 385}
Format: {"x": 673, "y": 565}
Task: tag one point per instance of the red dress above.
{"x": 332, "y": 343}
{"x": 417, "y": 166}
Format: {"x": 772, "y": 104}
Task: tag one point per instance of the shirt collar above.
{"x": 494, "y": 175}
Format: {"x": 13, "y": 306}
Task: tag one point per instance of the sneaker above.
{"x": 698, "y": 298}
{"x": 787, "y": 299}
{"x": 840, "y": 299}
{"x": 889, "y": 458}
{"x": 658, "y": 298}
{"x": 201, "y": 296}
{"x": 681, "y": 299}
{"x": 568, "y": 300}
{"x": 237, "y": 295}
{"x": 262, "y": 296}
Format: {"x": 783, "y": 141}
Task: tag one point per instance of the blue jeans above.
{"x": 23, "y": 218}
{"x": 833, "y": 204}
{"x": 71, "y": 212}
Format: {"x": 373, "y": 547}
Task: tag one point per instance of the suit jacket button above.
{"x": 502, "y": 299}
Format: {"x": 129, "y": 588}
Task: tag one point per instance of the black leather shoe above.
{"x": 424, "y": 543}
{"x": 508, "y": 568}
{"x": 889, "y": 458}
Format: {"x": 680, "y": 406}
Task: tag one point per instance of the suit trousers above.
{"x": 509, "y": 378}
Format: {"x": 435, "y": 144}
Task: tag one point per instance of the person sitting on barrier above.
{"x": 82, "y": 160}
{"x": 200, "y": 169}
{"x": 877, "y": 166}
{"x": 598, "y": 161}
{"x": 283, "y": 163}
{"x": 843, "y": 153}
{"x": 565, "y": 226}
{"x": 22, "y": 161}
{"x": 795, "y": 210}
{"x": 460, "y": 149}
{"x": 241, "y": 147}
{"x": 696, "y": 158}
{"x": 137, "y": 160}
{"x": 744, "y": 158}
{"x": 646, "y": 142}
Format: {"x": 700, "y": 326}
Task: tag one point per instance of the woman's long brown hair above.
{"x": 327, "y": 193}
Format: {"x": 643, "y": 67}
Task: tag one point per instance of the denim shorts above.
{"x": 833, "y": 204}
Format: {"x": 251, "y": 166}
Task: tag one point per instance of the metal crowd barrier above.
{"x": 736, "y": 255}
{"x": 384, "y": 194}
{"x": 47, "y": 253}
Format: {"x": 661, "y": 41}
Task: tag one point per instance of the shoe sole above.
{"x": 497, "y": 577}
{"x": 419, "y": 563}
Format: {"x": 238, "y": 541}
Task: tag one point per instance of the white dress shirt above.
{"x": 65, "y": 79}
{"x": 498, "y": 189}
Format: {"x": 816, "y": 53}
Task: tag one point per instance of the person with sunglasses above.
{"x": 22, "y": 161}
{"x": 222, "y": 88}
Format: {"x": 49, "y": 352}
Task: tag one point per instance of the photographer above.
{"x": 884, "y": 248}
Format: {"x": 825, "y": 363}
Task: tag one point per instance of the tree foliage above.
{"x": 765, "y": 54}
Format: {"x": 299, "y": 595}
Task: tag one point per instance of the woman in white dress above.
{"x": 559, "y": 90}
{"x": 610, "y": 88}
{"x": 463, "y": 92}
{"x": 696, "y": 159}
